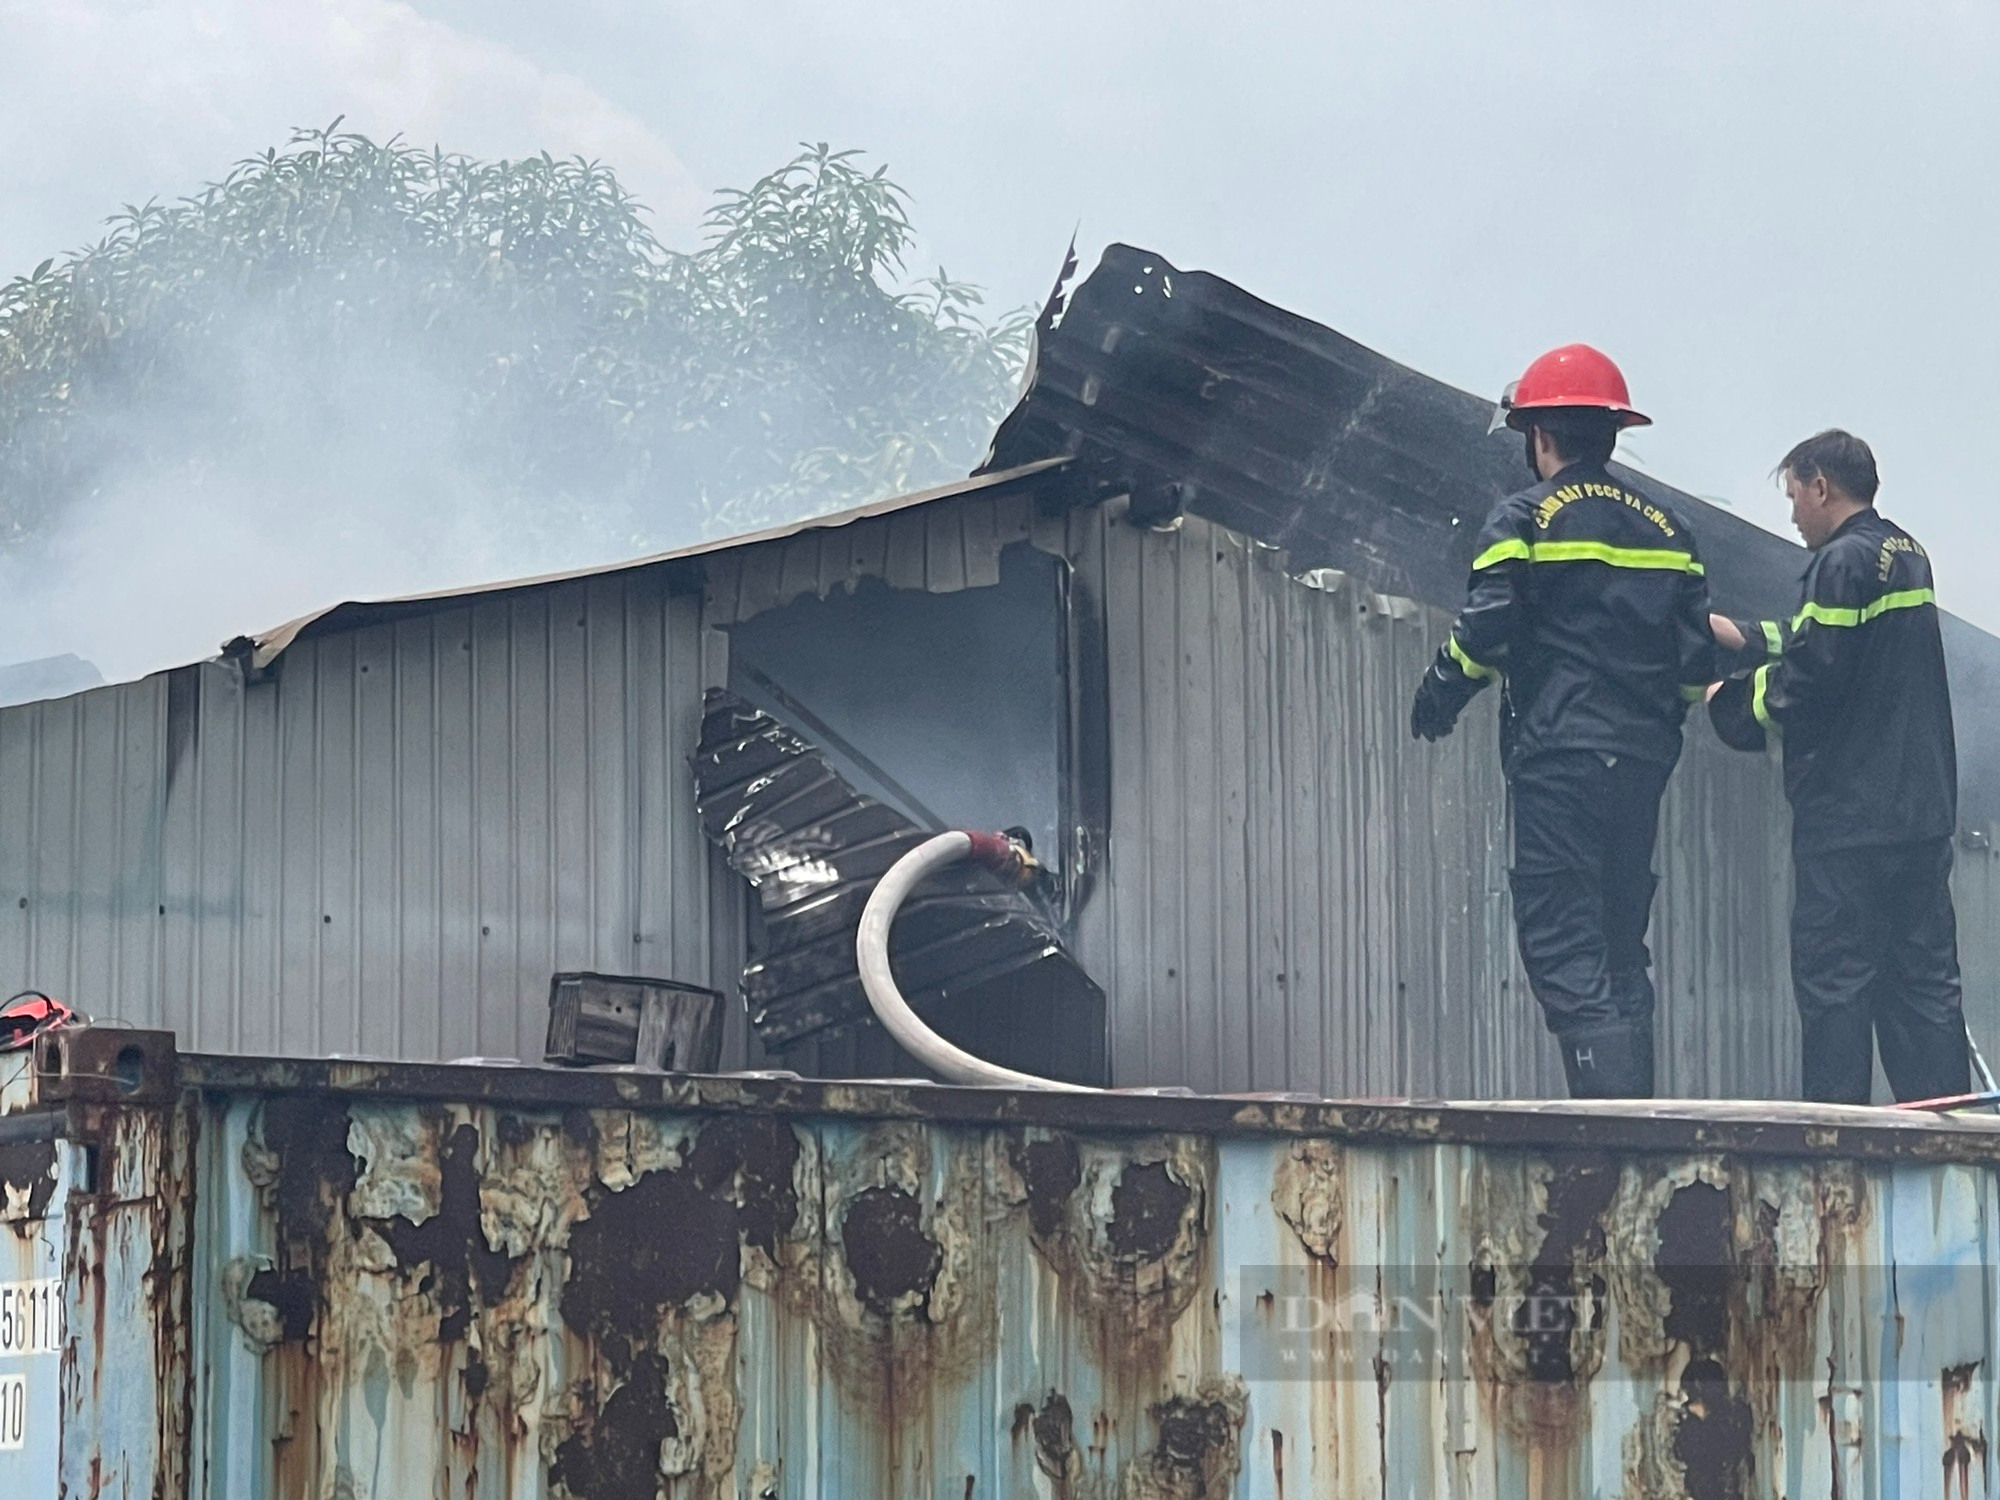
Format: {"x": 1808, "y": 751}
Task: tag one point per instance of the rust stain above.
{"x": 27, "y": 1182}
{"x": 1146, "y": 1210}
{"x": 900, "y": 1285}
{"x": 126, "y": 1262}
{"x": 1805, "y": 1226}
{"x": 451, "y": 1243}
{"x": 1278, "y": 1463}
{"x": 1578, "y": 1195}
{"x": 1964, "y": 1430}
{"x": 1127, "y": 1246}
{"x": 616, "y": 1455}
{"x": 1712, "y": 1440}
{"x": 735, "y": 1187}
{"x": 1052, "y": 1171}
{"x": 1055, "y": 1445}
{"x": 1197, "y": 1451}
{"x": 1307, "y": 1193}
{"x": 1537, "y": 1282}
{"x": 300, "y": 1163}
{"x": 894, "y": 1263}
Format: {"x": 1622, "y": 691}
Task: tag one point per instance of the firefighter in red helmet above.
{"x": 1588, "y": 606}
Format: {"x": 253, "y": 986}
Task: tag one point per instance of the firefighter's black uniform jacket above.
{"x": 1853, "y": 687}
{"x": 1589, "y": 599}
{"x": 1589, "y": 604}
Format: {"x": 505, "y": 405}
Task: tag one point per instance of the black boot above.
{"x": 1613, "y": 1060}
{"x": 1642, "y": 1076}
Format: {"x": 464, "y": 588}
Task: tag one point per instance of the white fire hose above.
{"x": 954, "y": 1064}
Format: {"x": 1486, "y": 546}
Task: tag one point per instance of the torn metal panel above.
{"x": 1202, "y": 398}
{"x": 949, "y": 544}
{"x": 813, "y": 848}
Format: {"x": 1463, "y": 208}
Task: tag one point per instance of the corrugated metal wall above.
{"x": 386, "y": 849}
{"x": 1301, "y": 897}
{"x": 391, "y": 846}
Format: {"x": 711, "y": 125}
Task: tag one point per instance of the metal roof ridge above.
{"x": 267, "y": 647}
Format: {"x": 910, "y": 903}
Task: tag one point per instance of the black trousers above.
{"x": 1875, "y": 962}
{"x": 1584, "y": 829}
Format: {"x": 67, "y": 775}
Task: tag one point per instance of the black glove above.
{"x": 1438, "y": 704}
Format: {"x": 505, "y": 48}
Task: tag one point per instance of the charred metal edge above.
{"x": 1553, "y": 1127}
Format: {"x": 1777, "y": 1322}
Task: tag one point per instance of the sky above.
{"x": 1777, "y": 216}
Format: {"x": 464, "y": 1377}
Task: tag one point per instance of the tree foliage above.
{"x": 519, "y": 317}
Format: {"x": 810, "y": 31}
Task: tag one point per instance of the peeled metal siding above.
{"x": 386, "y": 849}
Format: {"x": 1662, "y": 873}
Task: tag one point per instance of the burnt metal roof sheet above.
{"x": 1196, "y": 396}
{"x": 1192, "y": 391}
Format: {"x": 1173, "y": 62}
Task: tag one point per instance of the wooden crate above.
{"x": 648, "y": 1023}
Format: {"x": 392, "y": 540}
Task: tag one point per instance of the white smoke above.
{"x": 357, "y": 493}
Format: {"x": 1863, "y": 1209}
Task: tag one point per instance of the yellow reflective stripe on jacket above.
{"x": 1500, "y": 552}
{"x": 1774, "y": 638}
{"x": 1759, "y": 683}
{"x": 1830, "y": 614}
{"x": 1654, "y": 559}
{"x": 1466, "y": 664}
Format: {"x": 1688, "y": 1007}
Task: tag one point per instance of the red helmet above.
{"x": 1574, "y": 375}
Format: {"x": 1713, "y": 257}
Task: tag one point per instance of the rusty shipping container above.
{"x": 233, "y": 1277}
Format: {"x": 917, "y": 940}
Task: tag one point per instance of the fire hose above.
{"x": 997, "y": 853}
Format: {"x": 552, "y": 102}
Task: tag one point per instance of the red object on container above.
{"x": 27, "y": 1016}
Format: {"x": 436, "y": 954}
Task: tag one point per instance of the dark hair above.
{"x": 1582, "y": 434}
{"x": 1842, "y": 457}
